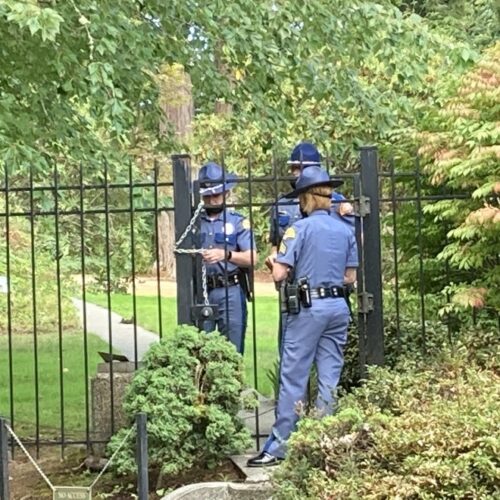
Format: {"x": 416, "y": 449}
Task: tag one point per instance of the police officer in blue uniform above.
{"x": 287, "y": 211}
{"x": 317, "y": 255}
{"x": 228, "y": 249}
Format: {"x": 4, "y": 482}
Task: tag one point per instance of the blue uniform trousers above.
{"x": 315, "y": 335}
{"x": 232, "y": 314}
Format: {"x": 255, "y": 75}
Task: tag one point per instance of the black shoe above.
{"x": 264, "y": 460}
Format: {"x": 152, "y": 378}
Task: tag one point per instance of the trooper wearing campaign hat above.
{"x": 229, "y": 250}
{"x": 287, "y": 211}
{"x": 318, "y": 254}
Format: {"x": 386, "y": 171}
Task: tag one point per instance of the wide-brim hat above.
{"x": 311, "y": 177}
{"x": 213, "y": 180}
{"x": 305, "y": 154}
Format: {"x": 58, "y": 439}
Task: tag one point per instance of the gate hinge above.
{"x": 365, "y": 302}
{"x": 362, "y": 206}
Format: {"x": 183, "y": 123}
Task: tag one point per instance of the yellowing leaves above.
{"x": 485, "y": 215}
{"x": 471, "y": 297}
{"x": 238, "y": 74}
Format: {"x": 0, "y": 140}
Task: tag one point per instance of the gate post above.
{"x": 141, "y": 421}
{"x": 370, "y": 296}
{"x": 4, "y": 460}
{"x": 184, "y": 263}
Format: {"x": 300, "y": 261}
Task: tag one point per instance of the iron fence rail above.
{"x": 68, "y": 199}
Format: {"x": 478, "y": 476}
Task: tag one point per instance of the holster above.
{"x": 245, "y": 283}
{"x": 292, "y": 297}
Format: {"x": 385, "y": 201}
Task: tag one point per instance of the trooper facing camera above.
{"x": 228, "y": 251}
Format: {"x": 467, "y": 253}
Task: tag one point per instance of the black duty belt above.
{"x": 221, "y": 281}
{"x": 327, "y": 292}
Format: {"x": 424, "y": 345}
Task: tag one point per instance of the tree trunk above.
{"x": 176, "y": 101}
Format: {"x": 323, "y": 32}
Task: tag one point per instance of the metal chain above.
{"x": 37, "y": 467}
{"x": 188, "y": 229}
{"x": 204, "y": 283}
{"x": 183, "y": 236}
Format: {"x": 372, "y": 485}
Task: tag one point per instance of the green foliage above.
{"x": 288, "y": 68}
{"x": 38, "y": 288}
{"x": 477, "y": 21}
{"x": 80, "y": 82}
{"x": 190, "y": 387}
{"x": 411, "y": 434}
{"x": 462, "y": 149}
{"x": 316, "y": 87}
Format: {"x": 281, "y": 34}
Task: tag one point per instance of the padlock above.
{"x": 207, "y": 312}
{"x": 203, "y": 312}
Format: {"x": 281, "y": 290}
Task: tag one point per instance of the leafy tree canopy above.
{"x": 78, "y": 78}
{"x": 462, "y": 149}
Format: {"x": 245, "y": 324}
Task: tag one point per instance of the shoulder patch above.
{"x": 290, "y": 233}
{"x": 282, "y": 249}
{"x": 245, "y": 224}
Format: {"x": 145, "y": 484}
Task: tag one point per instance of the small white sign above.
{"x": 4, "y": 284}
{"x": 72, "y": 493}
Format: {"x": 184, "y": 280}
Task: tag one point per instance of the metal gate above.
{"x": 133, "y": 205}
{"x": 369, "y": 287}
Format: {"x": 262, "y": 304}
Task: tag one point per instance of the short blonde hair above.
{"x": 316, "y": 198}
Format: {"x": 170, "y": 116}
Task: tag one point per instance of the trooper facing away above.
{"x": 317, "y": 255}
{"x": 287, "y": 210}
{"x": 229, "y": 250}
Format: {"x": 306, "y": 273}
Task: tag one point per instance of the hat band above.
{"x": 306, "y": 162}
{"x": 211, "y": 189}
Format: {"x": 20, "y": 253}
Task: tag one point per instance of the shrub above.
{"x": 190, "y": 387}
{"x": 430, "y": 432}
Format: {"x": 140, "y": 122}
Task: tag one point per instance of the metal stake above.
{"x": 4, "y": 461}
{"x": 142, "y": 456}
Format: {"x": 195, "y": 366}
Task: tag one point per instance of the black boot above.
{"x": 264, "y": 460}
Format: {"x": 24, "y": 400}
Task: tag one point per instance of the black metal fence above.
{"x": 90, "y": 234}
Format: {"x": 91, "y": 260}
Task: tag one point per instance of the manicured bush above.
{"x": 190, "y": 387}
{"x": 430, "y": 431}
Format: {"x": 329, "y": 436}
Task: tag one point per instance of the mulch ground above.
{"x": 26, "y": 483}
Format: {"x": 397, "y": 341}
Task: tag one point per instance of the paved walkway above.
{"x": 100, "y": 323}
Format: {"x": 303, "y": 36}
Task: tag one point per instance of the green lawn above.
{"x": 266, "y": 321}
{"x": 73, "y": 378}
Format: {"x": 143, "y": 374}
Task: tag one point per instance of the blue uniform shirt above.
{"x": 319, "y": 247}
{"x": 229, "y": 230}
{"x": 288, "y": 212}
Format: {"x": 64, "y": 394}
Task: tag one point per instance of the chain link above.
{"x": 204, "y": 283}
{"x": 178, "y": 250}
{"x": 188, "y": 229}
